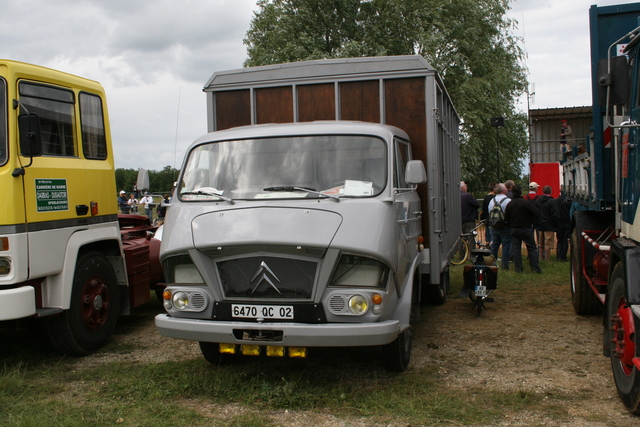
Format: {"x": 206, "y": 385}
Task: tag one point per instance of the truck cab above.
{"x": 62, "y": 256}
{"x": 284, "y": 237}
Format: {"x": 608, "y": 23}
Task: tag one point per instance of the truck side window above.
{"x": 55, "y": 107}
{"x": 400, "y": 164}
{"x": 94, "y": 141}
{"x": 3, "y": 122}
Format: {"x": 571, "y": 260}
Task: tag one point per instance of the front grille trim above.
{"x": 267, "y": 277}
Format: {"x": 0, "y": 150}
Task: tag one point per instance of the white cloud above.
{"x": 149, "y": 56}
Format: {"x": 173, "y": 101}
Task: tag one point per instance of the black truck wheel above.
{"x": 397, "y": 354}
{"x": 436, "y": 294}
{"x": 623, "y": 341}
{"x": 95, "y": 305}
{"x": 583, "y": 298}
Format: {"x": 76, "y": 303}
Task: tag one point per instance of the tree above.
{"x": 467, "y": 41}
{"x": 159, "y": 181}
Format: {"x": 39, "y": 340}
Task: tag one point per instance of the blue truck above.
{"x": 602, "y": 179}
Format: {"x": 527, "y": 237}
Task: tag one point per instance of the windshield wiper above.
{"x": 305, "y": 189}
{"x": 210, "y": 193}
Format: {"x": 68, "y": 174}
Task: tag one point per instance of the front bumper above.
{"x": 17, "y": 303}
{"x": 290, "y": 334}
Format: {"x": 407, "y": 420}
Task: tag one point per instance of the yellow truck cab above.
{"x": 61, "y": 252}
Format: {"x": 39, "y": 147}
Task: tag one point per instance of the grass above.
{"x": 42, "y": 388}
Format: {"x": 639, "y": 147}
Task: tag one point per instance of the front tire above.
{"x": 397, "y": 354}
{"x": 95, "y": 305}
{"x": 623, "y": 342}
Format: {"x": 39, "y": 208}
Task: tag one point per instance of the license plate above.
{"x": 250, "y": 311}
{"x": 481, "y": 291}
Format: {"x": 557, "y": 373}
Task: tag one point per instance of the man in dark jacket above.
{"x": 520, "y": 214}
{"x": 563, "y": 207}
{"x": 547, "y": 222}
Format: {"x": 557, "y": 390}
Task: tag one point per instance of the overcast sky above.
{"x": 154, "y": 57}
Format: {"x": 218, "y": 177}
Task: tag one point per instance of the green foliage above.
{"x": 468, "y": 41}
{"x": 159, "y": 181}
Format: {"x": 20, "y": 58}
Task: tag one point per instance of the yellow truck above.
{"x": 65, "y": 255}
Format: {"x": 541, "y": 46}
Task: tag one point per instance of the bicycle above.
{"x": 462, "y": 254}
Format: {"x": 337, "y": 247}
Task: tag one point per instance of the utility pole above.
{"x": 498, "y": 122}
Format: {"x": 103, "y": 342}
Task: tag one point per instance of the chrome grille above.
{"x": 267, "y": 277}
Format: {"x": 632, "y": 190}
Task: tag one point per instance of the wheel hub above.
{"x": 623, "y": 337}
{"x": 95, "y": 307}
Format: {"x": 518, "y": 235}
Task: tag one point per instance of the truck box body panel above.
{"x": 403, "y": 91}
{"x": 594, "y": 186}
{"x": 546, "y": 174}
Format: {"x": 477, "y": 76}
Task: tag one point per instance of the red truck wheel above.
{"x": 95, "y": 306}
{"x": 623, "y": 342}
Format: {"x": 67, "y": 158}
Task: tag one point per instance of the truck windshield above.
{"x": 3, "y": 122}
{"x": 286, "y": 167}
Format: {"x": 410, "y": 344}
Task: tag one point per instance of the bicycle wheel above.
{"x": 462, "y": 254}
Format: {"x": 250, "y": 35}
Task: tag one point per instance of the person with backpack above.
{"x": 500, "y": 229}
{"x": 532, "y": 195}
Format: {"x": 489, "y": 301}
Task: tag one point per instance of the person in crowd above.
{"x": 547, "y": 222}
{"x": 563, "y": 232}
{"x": 533, "y": 195}
{"x": 509, "y": 184}
{"x": 147, "y": 202}
{"x": 469, "y": 207}
{"x": 520, "y": 215}
{"x": 122, "y": 203}
{"x": 484, "y": 215}
{"x": 502, "y": 235}
{"x": 133, "y": 203}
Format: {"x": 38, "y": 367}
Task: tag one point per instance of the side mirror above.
{"x": 616, "y": 79}
{"x": 415, "y": 172}
{"x": 30, "y": 135}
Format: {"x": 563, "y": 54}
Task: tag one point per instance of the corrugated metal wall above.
{"x": 545, "y": 131}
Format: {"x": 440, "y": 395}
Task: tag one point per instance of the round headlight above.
{"x": 358, "y": 304}
{"x": 180, "y": 300}
{"x": 5, "y": 266}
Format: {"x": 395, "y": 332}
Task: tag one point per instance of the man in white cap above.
{"x": 122, "y": 202}
{"x": 533, "y": 190}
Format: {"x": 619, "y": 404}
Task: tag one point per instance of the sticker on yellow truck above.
{"x": 51, "y": 195}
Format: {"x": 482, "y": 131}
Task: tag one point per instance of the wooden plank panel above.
{"x": 274, "y": 105}
{"x": 360, "y": 101}
{"x": 316, "y": 102}
{"x": 233, "y": 108}
{"x": 405, "y": 108}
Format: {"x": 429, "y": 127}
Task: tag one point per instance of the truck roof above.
{"x": 19, "y": 69}
{"x": 323, "y": 127}
{"x": 321, "y": 70}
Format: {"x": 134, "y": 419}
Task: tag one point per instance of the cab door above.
{"x": 407, "y": 209}
{"x": 55, "y": 184}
